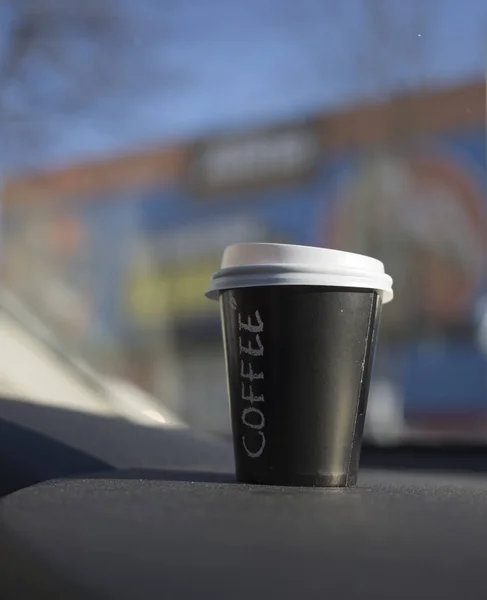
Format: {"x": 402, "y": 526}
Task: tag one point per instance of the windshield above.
{"x": 141, "y": 138}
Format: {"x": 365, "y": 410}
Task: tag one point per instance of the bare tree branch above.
{"x": 77, "y": 59}
{"x": 64, "y": 53}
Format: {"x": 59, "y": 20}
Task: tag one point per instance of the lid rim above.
{"x": 381, "y": 285}
{"x": 290, "y": 268}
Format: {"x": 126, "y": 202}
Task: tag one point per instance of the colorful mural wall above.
{"x": 116, "y": 256}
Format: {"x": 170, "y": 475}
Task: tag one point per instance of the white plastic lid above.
{"x": 255, "y": 265}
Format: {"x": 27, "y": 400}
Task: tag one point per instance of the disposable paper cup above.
{"x": 300, "y": 328}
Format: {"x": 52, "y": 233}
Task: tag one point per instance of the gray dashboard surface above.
{"x": 39, "y": 442}
{"x": 176, "y": 535}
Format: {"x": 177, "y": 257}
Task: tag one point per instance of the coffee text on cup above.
{"x": 251, "y": 347}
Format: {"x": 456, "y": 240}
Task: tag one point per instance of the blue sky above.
{"x": 240, "y": 63}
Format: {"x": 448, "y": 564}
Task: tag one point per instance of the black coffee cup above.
{"x": 300, "y": 328}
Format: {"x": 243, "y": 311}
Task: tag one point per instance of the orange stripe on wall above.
{"x": 429, "y": 112}
{"x": 143, "y": 170}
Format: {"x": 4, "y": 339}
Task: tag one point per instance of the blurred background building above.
{"x": 141, "y": 138}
